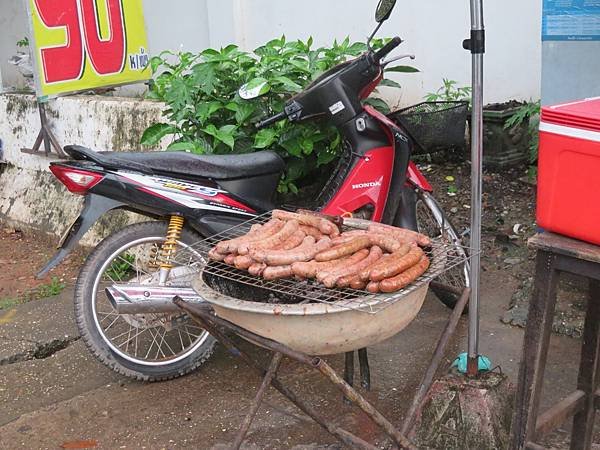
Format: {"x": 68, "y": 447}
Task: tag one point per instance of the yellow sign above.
{"x": 86, "y": 44}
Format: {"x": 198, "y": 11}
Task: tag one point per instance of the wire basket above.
{"x": 434, "y": 126}
{"x": 443, "y": 255}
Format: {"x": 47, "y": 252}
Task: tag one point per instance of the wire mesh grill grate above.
{"x": 443, "y": 256}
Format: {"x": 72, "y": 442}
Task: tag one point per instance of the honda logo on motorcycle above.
{"x": 368, "y": 184}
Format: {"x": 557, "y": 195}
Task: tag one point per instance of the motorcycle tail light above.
{"x": 76, "y": 180}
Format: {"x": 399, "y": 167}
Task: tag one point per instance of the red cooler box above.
{"x": 569, "y": 170}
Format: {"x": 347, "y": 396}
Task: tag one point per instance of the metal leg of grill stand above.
{"x": 349, "y": 368}
{"x": 202, "y": 314}
{"x": 365, "y": 371}
{"x": 271, "y": 372}
{"x": 349, "y": 371}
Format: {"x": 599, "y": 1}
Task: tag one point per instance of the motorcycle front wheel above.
{"x": 148, "y": 347}
{"x": 433, "y": 222}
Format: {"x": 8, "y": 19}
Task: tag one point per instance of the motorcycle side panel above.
{"x": 367, "y": 183}
{"x": 190, "y": 195}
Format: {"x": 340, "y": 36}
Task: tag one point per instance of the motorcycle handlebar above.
{"x": 271, "y": 120}
{"x": 377, "y": 57}
{"x": 387, "y": 48}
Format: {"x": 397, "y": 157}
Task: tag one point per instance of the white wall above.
{"x": 30, "y": 196}
{"x": 433, "y": 31}
{"x": 13, "y": 27}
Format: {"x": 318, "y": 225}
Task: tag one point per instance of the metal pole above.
{"x": 477, "y": 48}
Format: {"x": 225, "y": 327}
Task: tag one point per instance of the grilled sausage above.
{"x": 347, "y": 236}
{"x": 269, "y": 242}
{"x": 339, "y": 251}
{"x": 277, "y": 272}
{"x": 387, "y": 242}
{"x": 365, "y": 274}
{"x": 294, "y": 241}
{"x": 260, "y": 254}
{"x": 304, "y": 252}
{"x": 401, "y": 233}
{"x": 405, "y": 278}
{"x": 311, "y": 231}
{"x": 399, "y": 262}
{"x": 351, "y": 260}
{"x": 278, "y": 257}
{"x": 337, "y": 220}
{"x": 222, "y": 247}
{"x": 373, "y": 287}
{"x": 268, "y": 229}
{"x": 357, "y": 283}
{"x": 352, "y": 269}
{"x": 311, "y": 268}
{"x": 243, "y": 262}
{"x": 215, "y": 255}
{"x": 257, "y": 269}
{"x": 323, "y": 225}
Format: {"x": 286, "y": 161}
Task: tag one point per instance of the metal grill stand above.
{"x": 205, "y": 317}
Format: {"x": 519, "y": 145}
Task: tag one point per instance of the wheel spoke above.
{"x": 152, "y": 344}
{"x": 112, "y": 323}
{"x": 166, "y": 343}
{"x": 145, "y": 338}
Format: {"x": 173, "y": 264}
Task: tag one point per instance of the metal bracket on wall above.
{"x": 46, "y": 136}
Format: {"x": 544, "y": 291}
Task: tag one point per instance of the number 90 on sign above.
{"x": 83, "y": 44}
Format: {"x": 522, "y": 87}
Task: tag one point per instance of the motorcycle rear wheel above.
{"x": 148, "y": 347}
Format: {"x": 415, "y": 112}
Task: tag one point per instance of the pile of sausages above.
{"x": 310, "y": 246}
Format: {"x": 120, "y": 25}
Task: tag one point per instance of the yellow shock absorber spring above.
{"x": 169, "y": 247}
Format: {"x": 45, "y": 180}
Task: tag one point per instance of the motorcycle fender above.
{"x": 415, "y": 177}
{"x": 94, "y": 207}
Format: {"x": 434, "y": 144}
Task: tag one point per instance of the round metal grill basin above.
{"x": 312, "y": 328}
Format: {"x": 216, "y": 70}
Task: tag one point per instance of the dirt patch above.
{"x": 22, "y": 255}
{"x": 508, "y": 221}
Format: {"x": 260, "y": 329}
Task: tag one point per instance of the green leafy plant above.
{"x": 450, "y": 92}
{"x": 23, "y": 42}
{"x": 9, "y": 302}
{"x": 55, "y": 287}
{"x": 529, "y": 113}
{"x": 120, "y": 268}
{"x": 205, "y": 113}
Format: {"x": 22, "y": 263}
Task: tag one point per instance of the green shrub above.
{"x": 206, "y": 115}
{"x": 529, "y": 113}
{"x": 450, "y": 92}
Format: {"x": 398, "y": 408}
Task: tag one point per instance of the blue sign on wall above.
{"x": 571, "y": 20}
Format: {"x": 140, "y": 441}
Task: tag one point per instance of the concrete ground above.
{"x": 53, "y": 393}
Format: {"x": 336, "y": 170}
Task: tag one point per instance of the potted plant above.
{"x": 505, "y": 139}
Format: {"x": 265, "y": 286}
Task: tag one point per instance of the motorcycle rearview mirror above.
{"x": 384, "y": 9}
{"x": 254, "y": 89}
{"x": 382, "y": 13}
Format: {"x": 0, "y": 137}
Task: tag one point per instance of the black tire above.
{"x": 432, "y": 221}
{"x": 95, "y": 337}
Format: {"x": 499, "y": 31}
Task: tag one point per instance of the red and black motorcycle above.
{"x": 193, "y": 196}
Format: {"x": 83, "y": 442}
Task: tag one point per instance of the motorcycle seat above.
{"x": 217, "y": 167}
